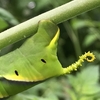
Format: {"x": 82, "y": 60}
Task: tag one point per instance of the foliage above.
{"x": 80, "y": 34}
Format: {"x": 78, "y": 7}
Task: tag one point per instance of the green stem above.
{"x": 57, "y": 15}
{"x": 74, "y": 39}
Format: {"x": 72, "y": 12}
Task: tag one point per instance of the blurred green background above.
{"x": 78, "y": 35}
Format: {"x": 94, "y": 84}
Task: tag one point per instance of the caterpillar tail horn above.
{"x": 87, "y": 56}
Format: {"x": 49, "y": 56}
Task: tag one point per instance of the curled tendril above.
{"x": 87, "y": 56}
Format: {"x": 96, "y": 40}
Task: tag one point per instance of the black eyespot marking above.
{"x": 43, "y": 60}
{"x": 16, "y": 72}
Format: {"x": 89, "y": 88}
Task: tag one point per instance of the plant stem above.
{"x": 57, "y": 15}
{"x": 74, "y": 39}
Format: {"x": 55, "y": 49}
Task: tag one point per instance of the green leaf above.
{"x": 80, "y": 23}
{"x": 86, "y": 82}
{"x": 91, "y": 37}
{"x": 3, "y": 24}
{"x": 7, "y": 16}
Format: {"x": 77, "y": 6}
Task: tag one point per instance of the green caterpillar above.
{"x": 34, "y": 62}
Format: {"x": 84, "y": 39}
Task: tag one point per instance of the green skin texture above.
{"x": 23, "y": 68}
